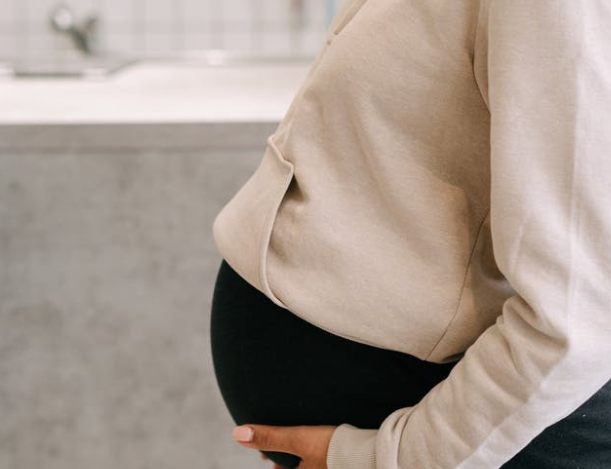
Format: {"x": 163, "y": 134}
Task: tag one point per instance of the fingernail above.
{"x": 243, "y": 433}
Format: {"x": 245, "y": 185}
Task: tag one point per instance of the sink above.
{"x": 65, "y": 66}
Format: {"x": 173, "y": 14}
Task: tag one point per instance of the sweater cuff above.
{"x": 352, "y": 448}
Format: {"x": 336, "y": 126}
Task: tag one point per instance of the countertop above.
{"x": 198, "y": 104}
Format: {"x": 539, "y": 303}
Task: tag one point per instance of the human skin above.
{"x": 309, "y": 442}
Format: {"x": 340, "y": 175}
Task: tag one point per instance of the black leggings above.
{"x": 274, "y": 368}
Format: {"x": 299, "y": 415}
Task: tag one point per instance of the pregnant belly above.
{"x": 274, "y": 368}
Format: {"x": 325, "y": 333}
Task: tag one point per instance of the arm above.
{"x": 549, "y": 95}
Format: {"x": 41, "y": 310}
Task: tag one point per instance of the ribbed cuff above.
{"x": 352, "y": 448}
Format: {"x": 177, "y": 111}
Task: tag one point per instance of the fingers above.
{"x": 275, "y": 438}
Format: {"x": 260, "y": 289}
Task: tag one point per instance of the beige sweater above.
{"x": 440, "y": 186}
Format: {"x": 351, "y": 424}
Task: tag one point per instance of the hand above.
{"x": 309, "y": 442}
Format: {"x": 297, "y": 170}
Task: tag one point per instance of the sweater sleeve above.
{"x": 549, "y": 96}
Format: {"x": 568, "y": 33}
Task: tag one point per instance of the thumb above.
{"x": 268, "y": 437}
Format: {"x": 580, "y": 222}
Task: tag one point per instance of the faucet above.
{"x": 83, "y": 35}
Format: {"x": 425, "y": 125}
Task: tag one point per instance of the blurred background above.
{"x": 154, "y": 28}
{"x": 125, "y": 126}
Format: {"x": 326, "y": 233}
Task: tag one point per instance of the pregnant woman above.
{"x": 421, "y": 261}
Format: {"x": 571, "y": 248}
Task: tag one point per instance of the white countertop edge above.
{"x": 154, "y": 92}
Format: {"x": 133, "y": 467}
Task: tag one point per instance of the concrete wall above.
{"x": 107, "y": 265}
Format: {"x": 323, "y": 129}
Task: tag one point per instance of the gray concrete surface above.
{"x": 107, "y": 265}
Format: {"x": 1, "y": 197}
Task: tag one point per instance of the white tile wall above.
{"x": 238, "y": 13}
{"x": 119, "y": 41}
{"x": 7, "y": 12}
{"x": 161, "y": 27}
{"x": 158, "y": 42}
{"x": 195, "y": 40}
{"x": 38, "y": 10}
{"x": 197, "y": 12}
{"x": 40, "y": 41}
{"x": 115, "y": 13}
{"x": 275, "y": 12}
{"x": 156, "y": 12}
{"x": 238, "y": 41}
{"x": 7, "y": 43}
